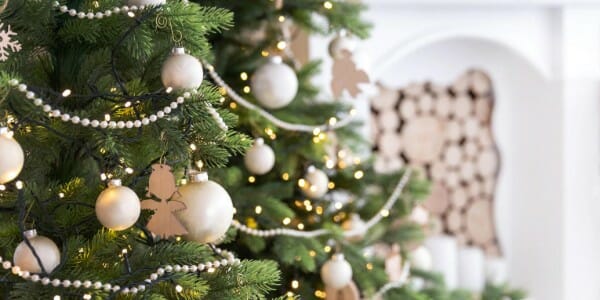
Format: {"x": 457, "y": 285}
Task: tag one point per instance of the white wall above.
{"x": 544, "y": 58}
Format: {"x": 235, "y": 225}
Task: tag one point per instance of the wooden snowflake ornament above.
{"x": 7, "y": 44}
{"x": 162, "y": 186}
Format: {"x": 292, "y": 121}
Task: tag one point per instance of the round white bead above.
{"x": 116, "y": 10}
{"x": 193, "y": 268}
{"x": 201, "y": 267}
{"x": 224, "y": 262}
{"x": 125, "y": 291}
{"x": 187, "y": 94}
{"x": 103, "y": 124}
{"x": 30, "y": 95}
{"x": 108, "y": 13}
{"x": 142, "y": 287}
{"x": 35, "y": 277}
{"x": 160, "y": 114}
{"x": 160, "y": 271}
{"x": 38, "y": 102}
{"x": 137, "y": 123}
{"x": 87, "y": 284}
{"x": 116, "y": 288}
{"x": 134, "y": 290}
{"x": 121, "y": 124}
{"x": 76, "y": 284}
{"x": 167, "y": 110}
{"x": 107, "y": 287}
{"x": 99, "y": 15}
{"x": 173, "y": 105}
{"x": 216, "y": 264}
{"x": 209, "y": 265}
{"x": 185, "y": 269}
{"x": 153, "y": 118}
{"x": 85, "y": 122}
{"x": 75, "y": 119}
{"x": 45, "y": 281}
{"x": 145, "y": 121}
{"x": 90, "y": 15}
{"x": 22, "y": 87}
{"x": 81, "y": 15}
{"x": 25, "y": 274}
{"x": 7, "y": 265}
{"x": 180, "y": 100}
{"x": 129, "y": 124}
{"x": 125, "y": 8}
{"x": 112, "y": 124}
{"x": 65, "y": 117}
{"x": 95, "y": 123}
{"x": 66, "y": 283}
{"x": 56, "y": 282}
{"x": 133, "y": 8}
{"x": 97, "y": 285}
{"x": 177, "y": 268}
{"x": 56, "y": 113}
{"x": 72, "y": 12}
{"x": 63, "y": 8}
{"x": 168, "y": 268}
{"x": 153, "y": 276}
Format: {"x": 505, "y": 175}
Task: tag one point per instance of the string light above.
{"x": 312, "y": 253}
{"x": 258, "y": 209}
{"x": 193, "y": 147}
{"x": 369, "y": 266}
{"x": 286, "y": 221}
{"x": 281, "y": 45}
{"x": 295, "y": 284}
{"x": 178, "y": 288}
{"x": 359, "y": 174}
{"x": 281, "y": 19}
{"x": 385, "y": 213}
{"x": 331, "y": 185}
{"x": 285, "y": 176}
{"x": 338, "y": 205}
{"x": 244, "y": 76}
{"x": 264, "y": 53}
{"x": 327, "y": 249}
{"x": 61, "y": 195}
{"x": 246, "y": 89}
{"x": 251, "y": 179}
{"x": 66, "y": 93}
{"x": 56, "y": 297}
{"x": 233, "y": 105}
{"x": 328, "y": 4}
{"x": 320, "y": 294}
{"x": 300, "y": 226}
{"x": 129, "y": 170}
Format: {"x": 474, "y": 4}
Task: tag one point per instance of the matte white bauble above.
{"x": 274, "y": 84}
{"x": 340, "y": 43}
{"x": 336, "y": 272}
{"x": 182, "y": 71}
{"x": 209, "y": 210}
{"x": 421, "y": 259}
{"x": 117, "y": 207}
{"x": 44, "y": 247}
{"x": 260, "y": 158}
{"x": 315, "y": 183}
{"x": 355, "y": 228}
{"x": 146, "y": 2}
{"x": 11, "y": 156}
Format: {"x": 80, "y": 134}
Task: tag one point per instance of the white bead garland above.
{"x": 97, "y": 15}
{"x": 56, "y": 113}
{"x": 228, "y": 259}
{"x": 319, "y": 232}
{"x": 217, "y": 117}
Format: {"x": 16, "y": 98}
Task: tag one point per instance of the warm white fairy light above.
{"x": 295, "y": 284}
{"x": 66, "y": 93}
{"x": 328, "y": 4}
{"x": 258, "y": 209}
{"x": 178, "y": 288}
{"x": 129, "y": 170}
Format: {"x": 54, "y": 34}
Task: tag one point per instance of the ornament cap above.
{"x": 259, "y": 141}
{"x": 197, "y": 176}
{"x": 311, "y": 169}
{"x": 276, "y": 59}
{"x": 115, "y": 182}
{"x": 343, "y": 33}
{"x": 29, "y": 234}
{"x": 178, "y": 51}
{"x": 338, "y": 257}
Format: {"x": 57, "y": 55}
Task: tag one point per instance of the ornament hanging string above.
{"x": 278, "y": 122}
{"x": 393, "y": 198}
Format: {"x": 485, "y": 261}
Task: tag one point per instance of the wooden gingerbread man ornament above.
{"x": 346, "y": 75}
{"x": 162, "y": 185}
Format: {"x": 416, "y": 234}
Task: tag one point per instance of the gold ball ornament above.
{"x": 336, "y": 272}
{"x": 44, "y": 247}
{"x": 315, "y": 183}
{"x": 12, "y": 157}
{"x": 181, "y": 71}
{"x": 209, "y": 209}
{"x": 118, "y": 207}
{"x": 260, "y": 158}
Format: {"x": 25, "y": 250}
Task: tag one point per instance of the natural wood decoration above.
{"x": 446, "y": 132}
{"x": 349, "y": 292}
{"x": 346, "y": 76}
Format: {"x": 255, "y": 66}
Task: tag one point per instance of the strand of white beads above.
{"x": 65, "y": 117}
{"x": 227, "y": 259}
{"x": 98, "y": 15}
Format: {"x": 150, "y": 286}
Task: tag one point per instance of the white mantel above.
{"x": 544, "y": 57}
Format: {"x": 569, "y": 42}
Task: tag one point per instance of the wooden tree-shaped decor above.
{"x": 446, "y": 133}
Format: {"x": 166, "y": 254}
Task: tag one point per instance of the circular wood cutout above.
{"x": 388, "y": 121}
{"x": 462, "y": 107}
{"x": 386, "y": 99}
{"x": 453, "y": 131}
{"x": 425, "y": 103}
{"x": 479, "y": 222}
{"x": 408, "y": 109}
{"x": 423, "y": 139}
{"x": 437, "y": 202}
{"x": 459, "y": 198}
{"x": 454, "y": 221}
{"x": 390, "y": 144}
{"x": 443, "y": 106}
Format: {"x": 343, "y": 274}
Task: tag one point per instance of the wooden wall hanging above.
{"x": 445, "y": 131}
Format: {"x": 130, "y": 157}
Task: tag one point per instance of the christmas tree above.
{"x": 98, "y": 111}
{"x": 305, "y": 193}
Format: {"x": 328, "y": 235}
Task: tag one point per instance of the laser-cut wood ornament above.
{"x": 162, "y": 186}
{"x": 349, "y": 292}
{"x": 346, "y": 76}
{"x": 446, "y": 132}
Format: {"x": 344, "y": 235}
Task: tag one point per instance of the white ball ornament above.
{"x": 11, "y": 156}
{"x": 139, "y": 3}
{"x": 44, "y": 247}
{"x": 421, "y": 259}
{"x": 336, "y": 273}
{"x": 117, "y": 207}
{"x": 315, "y": 183}
{"x": 340, "y": 43}
{"x": 274, "y": 84}
{"x": 209, "y": 210}
{"x": 260, "y": 158}
{"x": 182, "y": 71}
{"x": 355, "y": 228}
